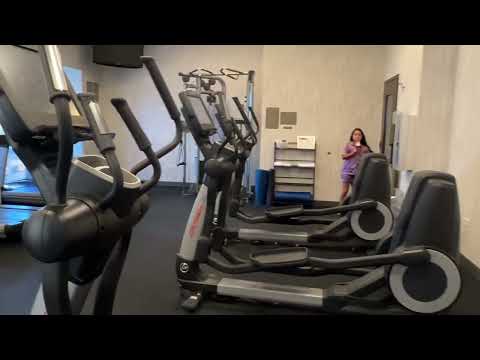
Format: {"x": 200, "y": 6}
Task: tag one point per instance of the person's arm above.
{"x": 348, "y": 154}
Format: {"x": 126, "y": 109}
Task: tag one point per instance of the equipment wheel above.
{"x": 426, "y": 288}
{"x": 372, "y": 224}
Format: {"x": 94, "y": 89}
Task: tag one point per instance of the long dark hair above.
{"x": 364, "y": 139}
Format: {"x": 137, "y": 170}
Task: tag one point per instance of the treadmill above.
{"x": 24, "y": 192}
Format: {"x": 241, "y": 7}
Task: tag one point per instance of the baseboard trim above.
{"x": 181, "y": 185}
{"x": 174, "y": 184}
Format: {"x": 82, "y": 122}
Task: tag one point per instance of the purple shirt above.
{"x": 350, "y": 165}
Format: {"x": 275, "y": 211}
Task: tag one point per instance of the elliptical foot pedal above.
{"x": 284, "y": 212}
{"x": 192, "y": 302}
{"x": 297, "y": 256}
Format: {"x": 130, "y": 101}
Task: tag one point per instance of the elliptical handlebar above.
{"x": 232, "y": 130}
{"x": 53, "y": 68}
{"x": 60, "y": 98}
{"x": 141, "y": 140}
{"x": 254, "y": 117}
{"x": 172, "y": 109}
{"x": 251, "y": 133}
{"x": 104, "y": 140}
{"x": 234, "y": 74}
{"x": 161, "y": 86}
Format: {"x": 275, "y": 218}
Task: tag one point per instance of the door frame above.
{"x": 390, "y": 88}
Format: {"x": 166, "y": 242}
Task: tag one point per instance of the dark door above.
{"x": 390, "y": 94}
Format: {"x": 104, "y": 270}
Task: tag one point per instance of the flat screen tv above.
{"x": 127, "y": 56}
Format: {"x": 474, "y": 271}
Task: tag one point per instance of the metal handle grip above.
{"x": 52, "y": 62}
{"x": 161, "y": 86}
{"x": 132, "y": 124}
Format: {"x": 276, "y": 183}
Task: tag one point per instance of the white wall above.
{"x": 426, "y": 76}
{"x": 431, "y": 132}
{"x": 137, "y": 88}
{"x": 464, "y": 158}
{"x": 407, "y": 62}
{"x": 442, "y": 88}
{"x": 333, "y": 89}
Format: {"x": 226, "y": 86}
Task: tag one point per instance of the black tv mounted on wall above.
{"x": 127, "y": 56}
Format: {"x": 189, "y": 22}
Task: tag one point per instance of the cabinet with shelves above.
{"x": 294, "y": 169}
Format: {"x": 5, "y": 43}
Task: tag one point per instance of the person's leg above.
{"x": 345, "y": 187}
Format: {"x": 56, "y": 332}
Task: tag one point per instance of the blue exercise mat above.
{"x": 299, "y": 197}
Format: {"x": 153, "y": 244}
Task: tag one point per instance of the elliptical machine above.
{"x": 92, "y": 204}
{"x": 366, "y": 214}
{"x": 417, "y": 270}
{"x": 364, "y": 221}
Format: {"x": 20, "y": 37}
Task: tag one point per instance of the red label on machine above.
{"x": 196, "y": 220}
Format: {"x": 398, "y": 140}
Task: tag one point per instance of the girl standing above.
{"x": 354, "y": 150}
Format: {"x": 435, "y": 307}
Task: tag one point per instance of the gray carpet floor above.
{"x": 148, "y": 284}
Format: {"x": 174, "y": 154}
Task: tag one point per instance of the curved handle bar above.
{"x": 237, "y": 72}
{"x": 246, "y": 120}
{"x": 104, "y": 141}
{"x": 60, "y": 98}
{"x": 207, "y": 71}
{"x": 142, "y": 141}
{"x": 162, "y": 87}
{"x": 254, "y": 117}
{"x": 167, "y": 98}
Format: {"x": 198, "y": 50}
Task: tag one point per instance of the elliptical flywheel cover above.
{"x": 427, "y": 288}
{"x": 376, "y": 235}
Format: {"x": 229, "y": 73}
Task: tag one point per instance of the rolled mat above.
{"x": 300, "y": 197}
{"x": 261, "y": 187}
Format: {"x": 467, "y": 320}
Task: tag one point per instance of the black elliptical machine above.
{"x": 92, "y": 204}
{"x": 416, "y": 272}
{"x": 360, "y": 225}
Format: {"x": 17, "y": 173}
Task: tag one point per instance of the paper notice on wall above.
{"x": 306, "y": 142}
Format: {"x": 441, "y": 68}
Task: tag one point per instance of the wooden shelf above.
{"x": 294, "y": 180}
{"x": 296, "y": 177}
{"x": 294, "y": 163}
{"x": 294, "y": 148}
{"x": 292, "y": 183}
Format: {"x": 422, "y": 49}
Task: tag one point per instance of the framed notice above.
{"x": 306, "y": 142}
